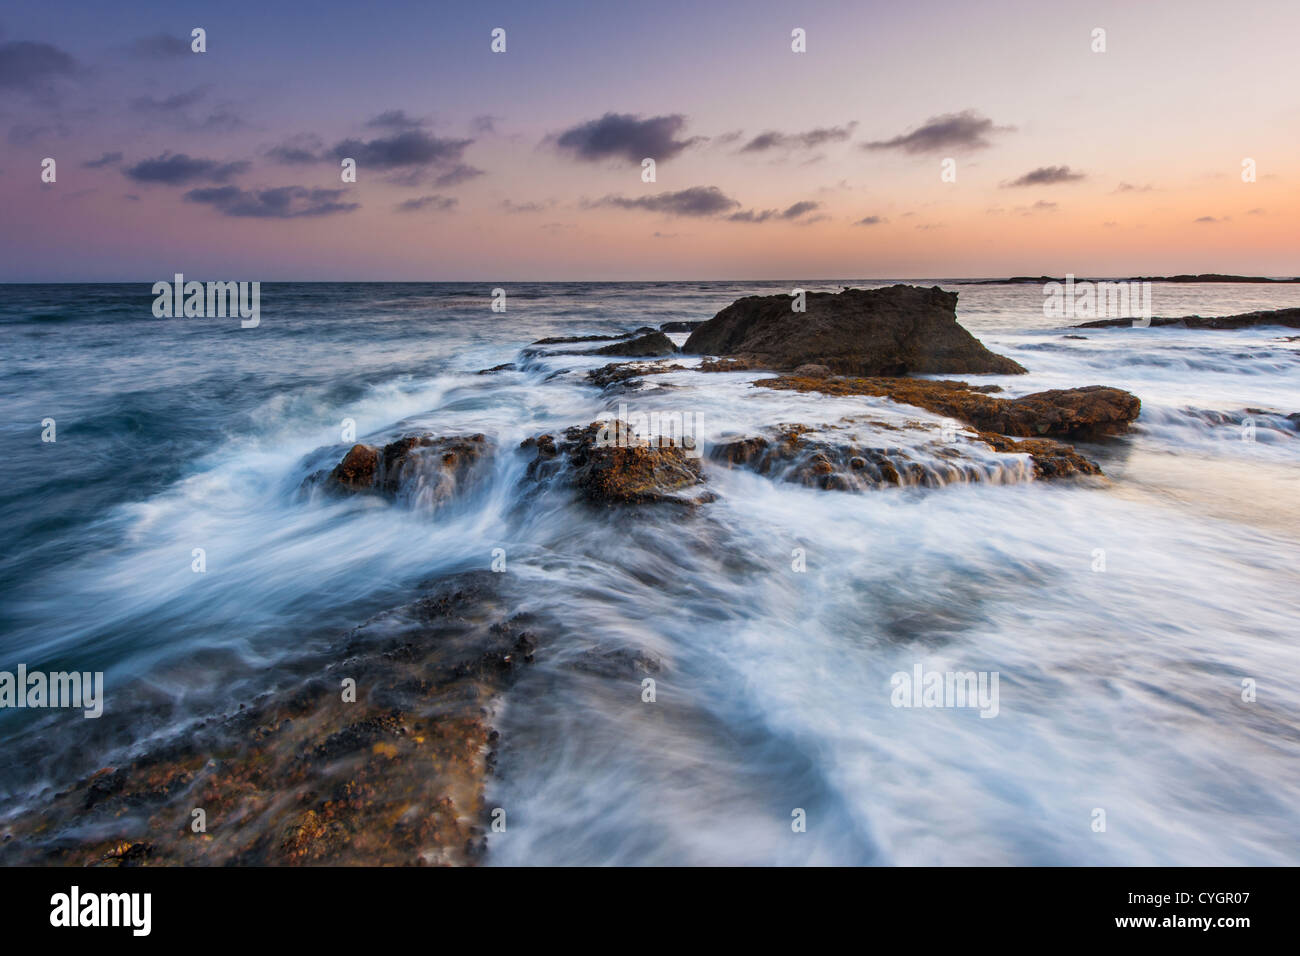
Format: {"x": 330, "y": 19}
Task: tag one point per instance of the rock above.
{"x": 679, "y": 326}
{"x": 610, "y": 465}
{"x": 356, "y": 472}
{"x": 503, "y": 367}
{"x": 1093, "y": 411}
{"x": 1052, "y": 459}
{"x": 1290, "y": 318}
{"x": 826, "y": 461}
{"x": 299, "y": 776}
{"x": 889, "y": 331}
{"x": 567, "y": 339}
{"x": 424, "y": 468}
{"x": 655, "y": 343}
{"x": 812, "y": 371}
{"x": 618, "y": 373}
{"x": 726, "y": 365}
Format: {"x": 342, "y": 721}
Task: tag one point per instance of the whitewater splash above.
{"x": 770, "y": 619}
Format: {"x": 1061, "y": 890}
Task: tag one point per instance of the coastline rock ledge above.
{"x": 897, "y": 330}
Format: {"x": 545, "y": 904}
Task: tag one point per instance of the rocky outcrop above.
{"x": 611, "y": 466}
{"x": 822, "y": 459}
{"x": 310, "y": 775}
{"x": 1093, "y": 411}
{"x": 1288, "y": 318}
{"x": 655, "y": 343}
{"x": 424, "y": 469}
{"x": 891, "y": 331}
{"x": 679, "y": 326}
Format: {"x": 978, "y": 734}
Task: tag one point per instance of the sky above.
{"x": 527, "y": 164}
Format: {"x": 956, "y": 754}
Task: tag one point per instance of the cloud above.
{"x": 24, "y": 134}
{"x": 33, "y": 68}
{"x": 223, "y": 121}
{"x": 807, "y": 140}
{"x": 178, "y": 169}
{"x": 484, "y": 124}
{"x": 282, "y": 202}
{"x": 395, "y": 119}
{"x": 437, "y": 203}
{"x": 964, "y": 130}
{"x": 695, "y": 201}
{"x": 799, "y": 209}
{"x": 298, "y": 151}
{"x": 108, "y": 159}
{"x": 1257, "y": 211}
{"x": 624, "y": 136}
{"x": 871, "y": 221}
{"x": 526, "y": 207}
{"x": 177, "y": 101}
{"x": 1047, "y": 176}
{"x": 789, "y": 213}
{"x": 160, "y": 46}
{"x": 1130, "y": 188}
{"x": 1211, "y": 219}
{"x": 458, "y": 174}
{"x": 405, "y": 149}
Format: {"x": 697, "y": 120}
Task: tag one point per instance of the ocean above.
{"x": 1120, "y": 679}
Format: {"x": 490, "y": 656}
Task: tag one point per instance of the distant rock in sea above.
{"x": 1289, "y": 318}
{"x": 898, "y": 330}
{"x": 1203, "y": 277}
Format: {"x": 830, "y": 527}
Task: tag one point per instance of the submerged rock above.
{"x": 891, "y": 331}
{"x": 654, "y": 343}
{"x": 825, "y": 459}
{"x": 611, "y": 466}
{"x": 567, "y": 339}
{"x": 1290, "y": 318}
{"x": 307, "y": 775}
{"x": 1092, "y": 411}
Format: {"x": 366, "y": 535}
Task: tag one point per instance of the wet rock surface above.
{"x": 654, "y": 343}
{"x": 628, "y": 373}
{"x": 896, "y": 330}
{"x": 422, "y": 468}
{"x": 299, "y": 776}
{"x": 611, "y": 466}
{"x": 1089, "y": 412}
{"x": 820, "y": 458}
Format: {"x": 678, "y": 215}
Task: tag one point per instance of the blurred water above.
{"x": 1120, "y": 689}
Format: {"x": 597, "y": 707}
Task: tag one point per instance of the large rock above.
{"x": 892, "y": 331}
{"x": 1089, "y": 412}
